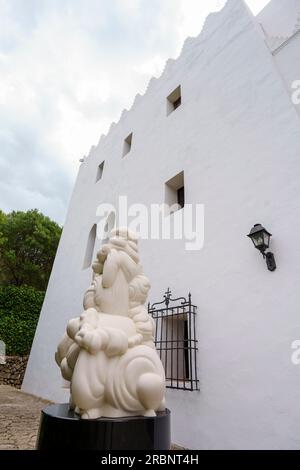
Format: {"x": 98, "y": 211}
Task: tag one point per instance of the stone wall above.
{"x": 13, "y": 371}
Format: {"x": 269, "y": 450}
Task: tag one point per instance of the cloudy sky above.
{"x": 67, "y": 69}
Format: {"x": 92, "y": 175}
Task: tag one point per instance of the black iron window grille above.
{"x": 175, "y": 340}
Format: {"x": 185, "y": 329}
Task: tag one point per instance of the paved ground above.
{"x": 19, "y": 418}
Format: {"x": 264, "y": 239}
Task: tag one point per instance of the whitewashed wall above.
{"x": 237, "y": 138}
{"x": 279, "y": 17}
{"x": 287, "y": 60}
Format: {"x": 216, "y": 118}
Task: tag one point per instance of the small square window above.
{"x": 127, "y": 145}
{"x": 174, "y": 100}
{"x": 100, "y": 171}
{"x": 174, "y": 192}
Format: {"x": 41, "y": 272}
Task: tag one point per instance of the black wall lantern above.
{"x": 261, "y": 240}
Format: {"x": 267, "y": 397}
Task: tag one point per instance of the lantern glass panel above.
{"x": 258, "y": 239}
{"x": 266, "y": 239}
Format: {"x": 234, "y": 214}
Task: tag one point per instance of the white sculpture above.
{"x": 108, "y": 354}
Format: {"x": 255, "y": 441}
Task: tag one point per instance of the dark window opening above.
{"x": 174, "y": 100}
{"x": 175, "y": 340}
{"x": 100, "y": 171}
{"x": 127, "y": 145}
{"x": 174, "y": 192}
{"x": 177, "y": 103}
{"x": 186, "y": 349}
{"x": 180, "y": 196}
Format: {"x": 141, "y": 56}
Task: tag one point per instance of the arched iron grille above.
{"x": 175, "y": 340}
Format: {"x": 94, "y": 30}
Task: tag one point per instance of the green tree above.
{"x": 2, "y": 221}
{"x": 28, "y": 243}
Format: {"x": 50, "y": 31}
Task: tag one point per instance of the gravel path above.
{"x": 19, "y": 418}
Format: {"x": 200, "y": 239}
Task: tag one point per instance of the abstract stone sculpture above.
{"x": 108, "y": 354}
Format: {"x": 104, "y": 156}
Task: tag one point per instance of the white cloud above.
{"x": 67, "y": 69}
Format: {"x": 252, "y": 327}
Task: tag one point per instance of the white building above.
{"x": 236, "y": 137}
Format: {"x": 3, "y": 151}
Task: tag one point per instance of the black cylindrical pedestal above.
{"x": 62, "y": 429}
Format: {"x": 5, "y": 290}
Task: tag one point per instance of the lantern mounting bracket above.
{"x": 261, "y": 240}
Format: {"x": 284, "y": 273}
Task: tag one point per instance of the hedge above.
{"x": 19, "y": 313}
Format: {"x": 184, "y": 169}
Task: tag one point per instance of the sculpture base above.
{"x": 62, "y": 429}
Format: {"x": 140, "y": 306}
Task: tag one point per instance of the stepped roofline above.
{"x": 211, "y": 24}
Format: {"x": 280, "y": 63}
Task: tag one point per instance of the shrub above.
{"x": 19, "y": 313}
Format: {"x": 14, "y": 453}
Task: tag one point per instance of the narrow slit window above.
{"x": 100, "y": 171}
{"x": 180, "y": 197}
{"x": 174, "y": 100}
{"x": 127, "y": 145}
{"x": 88, "y": 257}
